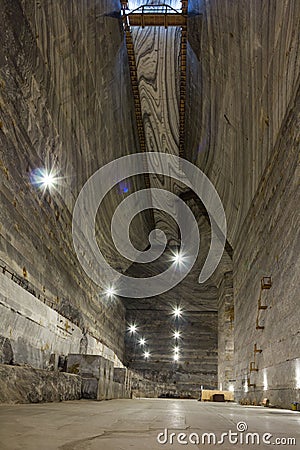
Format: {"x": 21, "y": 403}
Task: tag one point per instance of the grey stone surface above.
{"x": 99, "y": 375}
{"x": 242, "y": 129}
{"x": 85, "y": 365}
{"x": 198, "y": 325}
{"x": 269, "y": 245}
{"x": 6, "y": 351}
{"x": 243, "y": 71}
{"x": 135, "y": 424}
{"x": 65, "y": 100}
{"x": 89, "y": 388}
{"x": 226, "y": 373}
{"x": 36, "y": 332}
{"x": 105, "y": 385}
{"x": 29, "y": 385}
{"x": 122, "y": 383}
{"x": 66, "y": 103}
{"x": 120, "y": 375}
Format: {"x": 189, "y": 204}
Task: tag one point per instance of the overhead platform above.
{"x": 154, "y": 15}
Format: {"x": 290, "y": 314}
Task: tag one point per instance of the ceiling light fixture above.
{"x": 142, "y": 341}
{"x": 177, "y": 311}
{"x": 132, "y": 328}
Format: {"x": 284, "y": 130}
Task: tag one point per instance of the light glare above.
{"x": 48, "y": 180}
{"x": 44, "y": 178}
{"x": 132, "y": 328}
{"x": 246, "y": 388}
{"x": 177, "y": 258}
{"x": 142, "y": 341}
{"x": 265, "y": 380}
{"x": 176, "y": 334}
{"x": 297, "y": 362}
{"x": 147, "y": 355}
{"x": 110, "y": 291}
{"x": 177, "y": 311}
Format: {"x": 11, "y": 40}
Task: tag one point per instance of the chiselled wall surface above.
{"x": 269, "y": 245}
{"x": 66, "y": 104}
{"x": 243, "y": 131}
{"x": 243, "y": 67}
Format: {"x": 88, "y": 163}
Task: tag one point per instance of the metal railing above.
{"x": 155, "y": 9}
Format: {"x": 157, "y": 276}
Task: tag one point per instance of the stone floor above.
{"x": 135, "y": 424}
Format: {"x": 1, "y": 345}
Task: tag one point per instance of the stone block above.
{"x": 105, "y": 386}
{"x": 89, "y": 388}
{"x": 97, "y": 367}
{"x": 120, "y": 374}
{"x": 28, "y": 385}
{"x": 87, "y": 366}
{"x": 6, "y": 352}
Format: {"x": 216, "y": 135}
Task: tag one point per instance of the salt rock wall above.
{"x": 269, "y": 245}
{"x": 242, "y": 71}
{"x": 242, "y": 129}
{"x": 65, "y": 103}
{"x": 34, "y": 334}
{"x": 28, "y": 385}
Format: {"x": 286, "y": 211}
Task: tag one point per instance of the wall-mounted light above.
{"x": 265, "y": 380}
{"x": 177, "y": 334}
{"x": 147, "y": 355}
{"x": 246, "y": 388}
{"x": 297, "y": 363}
{"x": 44, "y": 178}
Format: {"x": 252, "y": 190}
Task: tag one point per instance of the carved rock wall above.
{"x": 243, "y": 131}
{"x": 65, "y": 103}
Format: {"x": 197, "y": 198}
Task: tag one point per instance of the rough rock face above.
{"x": 28, "y": 385}
{"x": 198, "y": 325}
{"x": 243, "y": 131}
{"x": 65, "y": 104}
{"x": 6, "y": 351}
{"x": 35, "y": 334}
{"x": 243, "y": 70}
{"x": 226, "y": 315}
{"x": 269, "y": 245}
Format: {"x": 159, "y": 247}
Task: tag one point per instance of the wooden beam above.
{"x": 155, "y": 20}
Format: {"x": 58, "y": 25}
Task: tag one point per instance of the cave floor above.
{"x": 135, "y": 424}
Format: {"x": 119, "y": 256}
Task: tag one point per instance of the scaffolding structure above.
{"x": 156, "y": 15}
